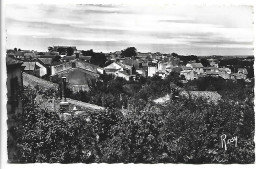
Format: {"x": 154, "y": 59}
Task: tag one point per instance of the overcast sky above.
{"x": 199, "y": 30}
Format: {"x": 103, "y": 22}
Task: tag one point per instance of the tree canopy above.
{"x": 88, "y": 52}
{"x": 70, "y": 51}
{"x": 98, "y": 59}
{"x": 183, "y": 131}
{"x": 129, "y": 52}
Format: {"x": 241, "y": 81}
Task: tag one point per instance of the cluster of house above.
{"x": 17, "y": 76}
{"x": 144, "y": 64}
{"x": 78, "y": 69}
{"x": 148, "y": 65}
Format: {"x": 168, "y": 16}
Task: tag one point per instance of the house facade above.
{"x": 197, "y": 67}
{"x": 188, "y": 74}
{"x": 35, "y": 68}
{"x": 151, "y": 71}
{"x": 78, "y": 73}
{"x": 14, "y": 83}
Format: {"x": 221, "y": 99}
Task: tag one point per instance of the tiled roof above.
{"x": 124, "y": 72}
{"x": 46, "y": 61}
{"x": 19, "y": 53}
{"x": 212, "y": 73}
{"x": 46, "y": 56}
{"x": 29, "y": 65}
{"x": 56, "y": 63}
{"x": 143, "y": 54}
{"x": 210, "y": 68}
{"x": 33, "y": 81}
{"x": 177, "y": 69}
{"x": 196, "y": 65}
{"x": 30, "y": 54}
{"x": 113, "y": 66}
{"x": 125, "y": 65}
{"x": 186, "y": 68}
{"x": 11, "y": 61}
{"x": 84, "y": 105}
{"x": 74, "y": 57}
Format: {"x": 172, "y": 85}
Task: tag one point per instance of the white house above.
{"x": 197, "y": 67}
{"x": 35, "y": 68}
{"x": 151, "y": 71}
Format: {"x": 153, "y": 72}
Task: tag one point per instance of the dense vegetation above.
{"x": 236, "y": 63}
{"x": 96, "y": 58}
{"x": 184, "y": 130}
{"x": 113, "y": 92}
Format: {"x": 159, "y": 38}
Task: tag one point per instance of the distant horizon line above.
{"x": 137, "y": 51}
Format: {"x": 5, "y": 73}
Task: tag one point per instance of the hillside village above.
{"x": 125, "y": 85}
{"x": 130, "y": 66}
{"x": 80, "y": 67}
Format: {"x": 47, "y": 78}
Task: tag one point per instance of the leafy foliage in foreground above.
{"x": 183, "y": 131}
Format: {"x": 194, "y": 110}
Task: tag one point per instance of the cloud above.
{"x": 140, "y": 26}
{"x": 178, "y": 21}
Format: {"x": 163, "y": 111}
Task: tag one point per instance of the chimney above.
{"x": 77, "y": 55}
{"x": 64, "y": 105}
{"x": 63, "y": 90}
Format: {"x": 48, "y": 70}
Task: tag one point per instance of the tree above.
{"x": 70, "y": 51}
{"x": 61, "y": 51}
{"x": 185, "y": 130}
{"x": 174, "y": 54}
{"x": 98, "y": 59}
{"x": 57, "y": 58}
{"x": 129, "y": 52}
{"x": 15, "y": 50}
{"x": 204, "y": 62}
{"x": 88, "y": 53}
{"x": 50, "y": 49}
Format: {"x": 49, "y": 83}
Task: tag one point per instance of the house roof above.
{"x": 10, "y": 51}
{"x": 46, "y": 61}
{"x": 19, "y": 53}
{"x": 177, "y": 69}
{"x": 130, "y": 62}
{"x": 186, "y": 68}
{"x": 29, "y": 65}
{"x": 11, "y": 61}
{"x": 46, "y": 56}
{"x": 113, "y": 66}
{"x": 209, "y": 68}
{"x": 125, "y": 65}
{"x": 186, "y": 71}
{"x": 30, "y": 54}
{"x": 74, "y": 57}
{"x": 79, "y": 64}
{"x": 143, "y": 54}
{"x": 84, "y": 105}
{"x": 224, "y": 70}
{"x": 123, "y": 72}
{"x": 212, "y": 73}
{"x": 56, "y": 63}
{"x": 196, "y": 65}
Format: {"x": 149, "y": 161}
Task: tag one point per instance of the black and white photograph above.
{"x": 128, "y": 83}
